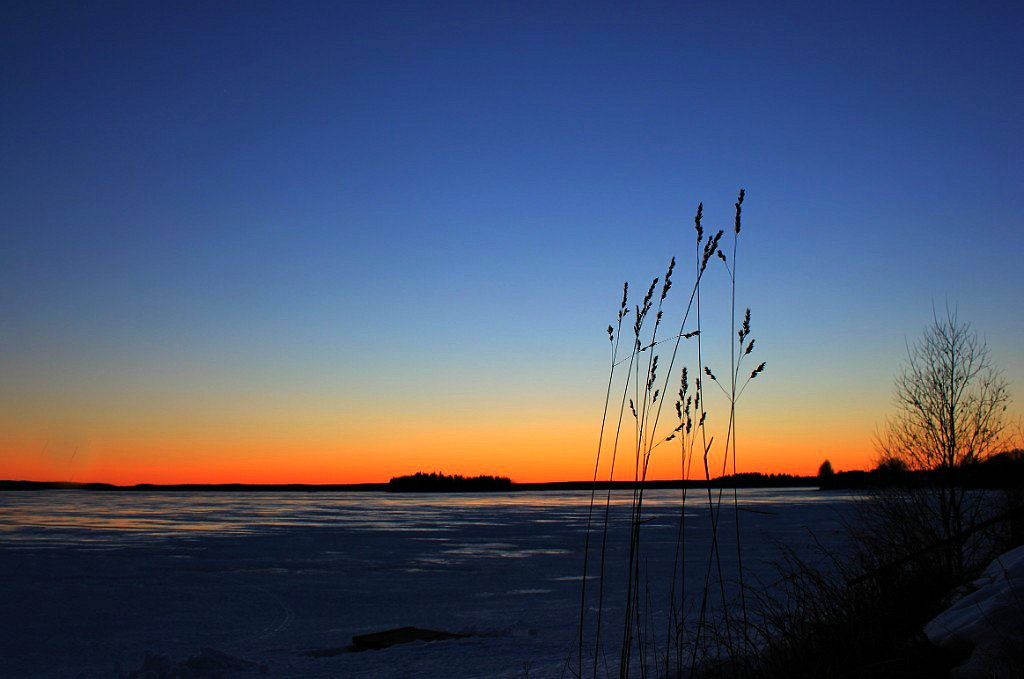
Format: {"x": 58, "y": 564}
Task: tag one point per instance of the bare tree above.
{"x": 950, "y": 412}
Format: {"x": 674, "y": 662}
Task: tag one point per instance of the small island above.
{"x": 448, "y": 483}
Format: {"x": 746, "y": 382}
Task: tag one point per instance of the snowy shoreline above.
{"x": 989, "y": 620}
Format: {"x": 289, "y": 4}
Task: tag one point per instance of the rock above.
{"x": 376, "y": 641}
{"x": 401, "y": 635}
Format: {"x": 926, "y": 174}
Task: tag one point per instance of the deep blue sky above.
{"x": 423, "y": 203}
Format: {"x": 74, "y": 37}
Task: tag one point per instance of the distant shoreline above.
{"x": 763, "y": 481}
{"x": 1000, "y": 471}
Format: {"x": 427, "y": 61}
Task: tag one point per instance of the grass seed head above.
{"x": 650, "y": 292}
{"x": 710, "y": 248}
{"x": 739, "y": 203}
{"x": 745, "y": 328}
{"x": 653, "y": 373}
{"x": 668, "y": 279}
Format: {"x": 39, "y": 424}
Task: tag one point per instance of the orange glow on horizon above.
{"x": 547, "y": 451}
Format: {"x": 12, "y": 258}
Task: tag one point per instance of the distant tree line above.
{"x": 1002, "y": 470}
{"x": 421, "y": 482}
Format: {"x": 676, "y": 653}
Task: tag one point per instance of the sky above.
{"x": 336, "y": 242}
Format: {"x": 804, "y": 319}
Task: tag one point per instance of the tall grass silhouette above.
{"x": 833, "y": 615}
{"x": 644, "y": 373}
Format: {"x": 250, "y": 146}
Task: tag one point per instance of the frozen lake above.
{"x": 92, "y": 581}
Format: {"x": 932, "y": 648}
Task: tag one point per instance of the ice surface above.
{"x": 92, "y": 582}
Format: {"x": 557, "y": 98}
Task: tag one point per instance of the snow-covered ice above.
{"x": 989, "y": 620}
{"x": 91, "y": 582}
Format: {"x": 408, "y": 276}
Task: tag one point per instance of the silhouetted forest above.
{"x": 1002, "y": 470}
{"x": 447, "y": 483}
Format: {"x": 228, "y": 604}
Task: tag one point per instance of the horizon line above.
{"x": 25, "y": 484}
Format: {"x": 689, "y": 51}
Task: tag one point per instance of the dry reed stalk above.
{"x": 613, "y": 336}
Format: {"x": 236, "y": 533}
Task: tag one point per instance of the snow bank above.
{"x": 989, "y": 619}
